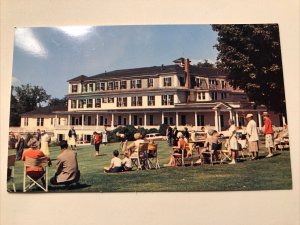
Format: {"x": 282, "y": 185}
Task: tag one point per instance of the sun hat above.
{"x": 249, "y": 115}
{"x": 137, "y": 136}
{"x": 210, "y": 131}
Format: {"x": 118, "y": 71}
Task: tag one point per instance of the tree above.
{"x": 251, "y": 56}
{"x": 58, "y": 102}
{"x": 205, "y": 64}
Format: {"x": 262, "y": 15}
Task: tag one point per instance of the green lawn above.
{"x": 263, "y": 174}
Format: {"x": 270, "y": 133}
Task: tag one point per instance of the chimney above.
{"x": 187, "y": 73}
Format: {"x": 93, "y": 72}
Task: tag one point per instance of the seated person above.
{"x": 115, "y": 164}
{"x": 151, "y": 148}
{"x": 133, "y": 148}
{"x": 177, "y": 150}
{"x": 66, "y": 166}
{"x": 280, "y": 135}
{"x": 126, "y": 162}
{"x": 34, "y": 153}
{"x": 210, "y": 145}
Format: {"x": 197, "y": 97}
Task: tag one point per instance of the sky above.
{"x": 49, "y": 56}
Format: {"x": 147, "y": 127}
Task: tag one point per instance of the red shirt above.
{"x": 34, "y": 154}
{"x": 97, "y": 138}
{"x": 268, "y": 126}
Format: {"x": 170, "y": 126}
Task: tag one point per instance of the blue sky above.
{"x": 49, "y": 56}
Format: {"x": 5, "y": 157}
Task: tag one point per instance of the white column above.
{"x": 283, "y": 120}
{"x": 230, "y": 114}
{"x": 259, "y": 121}
{"x": 112, "y": 120}
{"x": 82, "y": 116}
{"x": 162, "y": 117}
{"x": 236, "y": 119}
{"x": 177, "y": 120}
{"x": 219, "y": 122}
{"x": 55, "y": 122}
{"x": 97, "y": 121}
{"x": 216, "y": 121}
{"x": 196, "y": 120}
{"x": 145, "y": 120}
{"x": 129, "y": 119}
{"x": 69, "y": 120}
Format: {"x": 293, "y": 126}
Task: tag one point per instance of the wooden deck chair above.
{"x": 140, "y": 159}
{"x": 179, "y": 157}
{"x": 39, "y": 162}
{"x": 11, "y": 170}
{"x": 190, "y": 149}
{"x": 152, "y": 157}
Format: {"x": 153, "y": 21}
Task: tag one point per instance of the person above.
{"x": 104, "y": 136}
{"x": 45, "y": 140}
{"x": 115, "y": 164}
{"x": 175, "y": 136}
{"x": 280, "y": 135}
{"x": 35, "y": 172}
{"x": 126, "y": 162}
{"x": 186, "y": 135}
{"x": 268, "y": 132}
{"x": 252, "y": 136}
{"x": 67, "y": 171}
{"x": 72, "y": 138}
{"x": 181, "y": 144}
{"x": 97, "y": 141}
{"x": 193, "y": 135}
{"x": 232, "y": 141}
{"x": 38, "y": 137}
{"x": 133, "y": 148}
{"x": 169, "y": 135}
{"x": 20, "y": 147}
{"x": 123, "y": 141}
{"x": 152, "y": 146}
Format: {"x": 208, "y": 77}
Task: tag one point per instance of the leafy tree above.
{"x": 58, "y": 102}
{"x": 205, "y": 64}
{"x": 251, "y": 56}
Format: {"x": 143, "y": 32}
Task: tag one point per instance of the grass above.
{"x": 263, "y": 174}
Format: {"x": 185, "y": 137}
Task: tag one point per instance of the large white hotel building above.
{"x": 180, "y": 95}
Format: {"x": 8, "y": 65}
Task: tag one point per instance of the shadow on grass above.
{"x": 77, "y": 186}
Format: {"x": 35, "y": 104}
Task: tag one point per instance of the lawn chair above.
{"x": 11, "y": 170}
{"x": 284, "y": 144}
{"x": 39, "y": 162}
{"x": 179, "y": 157}
{"x": 211, "y": 156}
{"x": 152, "y": 157}
{"x": 140, "y": 160}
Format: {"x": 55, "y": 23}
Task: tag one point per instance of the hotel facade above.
{"x": 179, "y": 95}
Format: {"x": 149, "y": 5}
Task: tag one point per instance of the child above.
{"x": 126, "y": 162}
{"x": 115, "y": 164}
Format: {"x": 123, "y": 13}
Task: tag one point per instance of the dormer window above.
{"x": 91, "y": 87}
{"x": 138, "y": 83}
{"x": 116, "y": 85}
{"x": 74, "y": 88}
{"x": 123, "y": 84}
{"x": 110, "y": 85}
{"x": 132, "y": 84}
{"x": 102, "y": 86}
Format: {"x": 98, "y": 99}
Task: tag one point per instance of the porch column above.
{"x": 162, "y": 117}
{"x": 97, "y": 121}
{"x": 237, "y": 119}
{"x": 129, "y": 119}
{"x": 177, "y": 123}
{"x": 283, "y": 120}
{"x": 145, "y": 120}
{"x": 55, "y": 122}
{"x": 196, "y": 120}
{"x": 69, "y": 120}
{"x": 112, "y": 120}
{"x": 219, "y": 122}
{"x": 82, "y": 119}
{"x": 230, "y": 115}
{"x": 216, "y": 120}
{"x": 259, "y": 121}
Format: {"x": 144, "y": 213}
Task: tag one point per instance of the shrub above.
{"x": 163, "y": 129}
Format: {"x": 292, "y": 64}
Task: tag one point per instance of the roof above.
{"x": 47, "y": 110}
{"x": 79, "y": 78}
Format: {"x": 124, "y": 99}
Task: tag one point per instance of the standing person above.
{"x": 268, "y": 132}
{"x": 104, "y": 136}
{"x": 38, "y": 137}
{"x": 123, "y": 141}
{"x": 175, "y": 136}
{"x": 45, "y": 140}
{"x": 72, "y": 138}
{"x": 186, "y": 135}
{"x": 232, "y": 140}
{"x": 169, "y": 135}
{"x": 67, "y": 171}
{"x": 252, "y": 136}
{"x": 20, "y": 147}
{"x": 97, "y": 141}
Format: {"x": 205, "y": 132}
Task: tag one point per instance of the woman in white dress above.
{"x": 104, "y": 137}
{"x": 233, "y": 142}
{"x": 45, "y": 139}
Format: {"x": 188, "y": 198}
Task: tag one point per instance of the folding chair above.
{"x": 11, "y": 170}
{"x": 190, "y": 148}
{"x": 225, "y": 155}
{"x": 140, "y": 160}
{"x": 209, "y": 155}
{"x": 152, "y": 157}
{"x": 284, "y": 144}
{"x": 39, "y": 162}
{"x": 179, "y": 157}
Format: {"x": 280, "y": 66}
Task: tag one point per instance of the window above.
{"x": 138, "y": 83}
{"x": 40, "y": 121}
{"x": 110, "y": 85}
{"x": 167, "y": 81}
{"x": 198, "y": 82}
{"x": 98, "y": 103}
{"x": 151, "y": 120}
{"x": 133, "y": 101}
{"x": 102, "y": 86}
{"x": 110, "y": 100}
{"x": 51, "y": 121}
{"x": 104, "y": 100}
{"x": 123, "y": 84}
{"x": 89, "y": 103}
{"x": 26, "y": 121}
{"x": 223, "y": 84}
{"x": 97, "y": 86}
{"x": 140, "y": 101}
{"x": 214, "y": 96}
{"x": 91, "y": 87}
{"x": 150, "y": 82}
{"x": 200, "y": 120}
{"x": 81, "y": 103}
{"x": 84, "y": 87}
{"x": 167, "y": 100}
{"x": 164, "y": 100}
{"x": 132, "y": 84}
{"x": 136, "y": 101}
{"x": 116, "y": 85}
{"x": 151, "y": 100}
{"x": 73, "y": 104}
{"x": 212, "y": 83}
{"x": 223, "y": 95}
{"x": 170, "y": 99}
{"x": 181, "y": 81}
{"x": 74, "y": 88}
{"x": 201, "y": 95}
{"x": 122, "y": 102}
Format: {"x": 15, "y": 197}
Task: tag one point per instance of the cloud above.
{"x": 26, "y": 40}
{"x": 76, "y": 31}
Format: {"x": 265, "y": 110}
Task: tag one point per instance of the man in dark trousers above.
{"x": 174, "y": 136}
{"x": 169, "y": 135}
